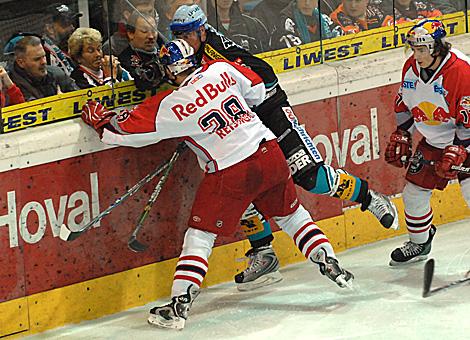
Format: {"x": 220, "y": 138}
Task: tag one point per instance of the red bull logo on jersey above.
{"x": 430, "y": 114}
{"x": 202, "y": 96}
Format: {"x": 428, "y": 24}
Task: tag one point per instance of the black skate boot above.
{"x": 263, "y": 269}
{"x": 330, "y": 267}
{"x": 412, "y": 252}
{"x": 383, "y": 209}
{"x": 174, "y": 314}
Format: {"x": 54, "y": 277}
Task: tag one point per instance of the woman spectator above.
{"x": 94, "y": 69}
{"x": 10, "y": 94}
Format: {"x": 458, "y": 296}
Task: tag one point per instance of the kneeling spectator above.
{"x": 10, "y": 94}
{"x": 140, "y": 58}
{"x": 301, "y": 23}
{"x": 31, "y": 73}
{"x": 354, "y": 16}
{"x": 93, "y": 69}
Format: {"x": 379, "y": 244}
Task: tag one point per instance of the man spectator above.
{"x": 56, "y": 34}
{"x": 268, "y": 11}
{"x": 119, "y": 40}
{"x": 94, "y": 69}
{"x": 140, "y": 58}
{"x": 33, "y": 76}
{"x": 449, "y": 6}
{"x": 302, "y": 23}
{"x": 354, "y": 16}
{"x": 249, "y": 32}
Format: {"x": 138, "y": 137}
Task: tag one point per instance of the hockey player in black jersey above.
{"x": 307, "y": 166}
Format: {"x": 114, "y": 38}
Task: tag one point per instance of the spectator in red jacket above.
{"x": 10, "y": 94}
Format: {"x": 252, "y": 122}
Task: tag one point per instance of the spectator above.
{"x": 269, "y": 11}
{"x": 354, "y": 16}
{"x": 94, "y": 69}
{"x": 301, "y": 23}
{"x": 33, "y": 76}
{"x": 56, "y": 34}
{"x": 409, "y": 10}
{"x": 168, "y": 9}
{"x": 10, "y": 94}
{"x": 248, "y": 32}
{"x": 119, "y": 40}
{"x": 449, "y": 6}
{"x": 140, "y": 58}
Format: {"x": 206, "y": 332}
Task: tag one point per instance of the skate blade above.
{"x": 166, "y": 324}
{"x": 342, "y": 283}
{"x": 395, "y": 225}
{"x": 413, "y": 260}
{"x": 261, "y": 281}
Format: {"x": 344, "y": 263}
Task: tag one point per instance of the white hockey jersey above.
{"x": 440, "y": 107}
{"x": 210, "y": 110}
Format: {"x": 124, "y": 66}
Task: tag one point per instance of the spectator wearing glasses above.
{"x": 94, "y": 69}
{"x": 31, "y": 73}
{"x": 140, "y": 58}
{"x": 57, "y": 31}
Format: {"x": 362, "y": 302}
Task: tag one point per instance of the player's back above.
{"x": 211, "y": 109}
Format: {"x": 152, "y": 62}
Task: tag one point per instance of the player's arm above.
{"x": 136, "y": 127}
{"x": 399, "y": 147}
{"x": 251, "y": 85}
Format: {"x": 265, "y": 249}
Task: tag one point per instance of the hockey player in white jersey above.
{"x": 211, "y": 111}
{"x": 434, "y": 99}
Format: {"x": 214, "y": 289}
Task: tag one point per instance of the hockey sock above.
{"x": 256, "y": 228}
{"x": 418, "y": 226}
{"x": 305, "y": 233}
{"x": 192, "y": 265}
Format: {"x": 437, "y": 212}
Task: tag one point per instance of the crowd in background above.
{"x": 63, "y": 57}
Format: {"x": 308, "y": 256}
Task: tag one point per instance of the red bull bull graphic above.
{"x": 430, "y": 114}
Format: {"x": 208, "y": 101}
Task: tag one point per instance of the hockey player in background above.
{"x": 211, "y": 111}
{"x": 434, "y": 99}
{"x": 307, "y": 166}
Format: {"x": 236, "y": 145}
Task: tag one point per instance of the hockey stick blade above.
{"x": 428, "y": 276}
{"x": 136, "y": 246}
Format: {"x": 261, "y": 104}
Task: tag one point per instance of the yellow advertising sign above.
{"x": 351, "y": 45}
{"x": 69, "y": 105}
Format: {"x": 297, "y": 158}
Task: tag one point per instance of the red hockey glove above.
{"x": 96, "y": 115}
{"x": 453, "y": 155}
{"x": 398, "y": 150}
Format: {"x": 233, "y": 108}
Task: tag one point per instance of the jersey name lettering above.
{"x": 208, "y": 92}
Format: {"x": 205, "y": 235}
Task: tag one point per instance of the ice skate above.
{"x": 174, "y": 314}
{"x": 263, "y": 269}
{"x": 330, "y": 267}
{"x": 412, "y": 252}
{"x": 383, "y": 209}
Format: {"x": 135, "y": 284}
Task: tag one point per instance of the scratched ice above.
{"x": 386, "y": 304}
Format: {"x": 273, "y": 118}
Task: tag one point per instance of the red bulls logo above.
{"x": 430, "y": 114}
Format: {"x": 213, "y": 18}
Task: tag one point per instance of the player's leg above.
{"x": 190, "y": 272}
{"x": 263, "y": 264}
{"x": 310, "y": 172}
{"x": 421, "y": 231}
{"x": 422, "y": 179}
{"x": 280, "y": 200}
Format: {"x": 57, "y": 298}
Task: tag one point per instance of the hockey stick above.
{"x": 462, "y": 169}
{"x": 67, "y": 235}
{"x": 133, "y": 243}
{"x": 428, "y": 276}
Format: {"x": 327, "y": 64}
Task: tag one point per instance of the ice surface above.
{"x": 386, "y": 303}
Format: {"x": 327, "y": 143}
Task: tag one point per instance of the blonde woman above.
{"x": 93, "y": 68}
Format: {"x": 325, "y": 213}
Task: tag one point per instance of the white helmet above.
{"x": 178, "y": 56}
{"x": 187, "y": 19}
{"x": 426, "y": 33}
